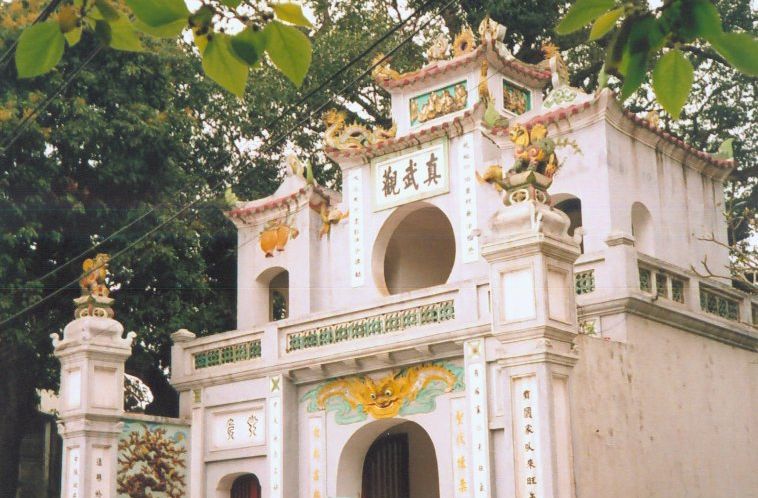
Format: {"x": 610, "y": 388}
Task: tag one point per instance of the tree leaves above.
{"x": 581, "y": 13}
{"x": 222, "y": 65}
{"x": 159, "y": 13}
{"x": 123, "y": 36}
{"x": 291, "y": 13}
{"x": 40, "y": 47}
{"x": 740, "y": 49}
{"x": 672, "y": 81}
{"x": 250, "y": 45}
{"x": 605, "y": 23}
{"x": 289, "y": 50}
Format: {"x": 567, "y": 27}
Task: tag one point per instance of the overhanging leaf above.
{"x": 73, "y": 36}
{"x": 634, "y": 74}
{"x": 740, "y": 50}
{"x": 39, "y": 49}
{"x": 158, "y": 13}
{"x": 249, "y": 45}
{"x": 706, "y": 19}
{"x": 291, "y": 13}
{"x": 123, "y": 36}
{"x": 107, "y": 10}
{"x": 223, "y": 66}
{"x": 605, "y": 23}
{"x": 581, "y": 13}
{"x": 289, "y": 50}
{"x": 231, "y": 3}
{"x": 170, "y": 30}
{"x": 672, "y": 81}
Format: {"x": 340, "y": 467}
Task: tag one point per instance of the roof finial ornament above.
{"x": 490, "y": 30}
{"x": 382, "y": 70}
{"x": 558, "y": 68}
{"x": 464, "y": 42}
{"x": 95, "y": 300}
{"x": 438, "y": 50}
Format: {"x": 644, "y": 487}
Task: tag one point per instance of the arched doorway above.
{"x": 414, "y": 249}
{"x": 572, "y": 206}
{"x": 246, "y": 486}
{"x": 389, "y": 458}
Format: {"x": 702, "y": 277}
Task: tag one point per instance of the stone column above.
{"x": 282, "y": 413}
{"x": 531, "y": 260}
{"x": 92, "y": 355}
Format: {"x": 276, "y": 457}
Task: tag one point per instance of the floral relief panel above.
{"x": 152, "y": 460}
{"x": 436, "y": 103}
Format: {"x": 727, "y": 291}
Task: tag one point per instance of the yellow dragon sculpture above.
{"x": 384, "y": 397}
{"x": 343, "y": 136}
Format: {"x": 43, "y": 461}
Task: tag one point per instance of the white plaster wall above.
{"x": 668, "y": 414}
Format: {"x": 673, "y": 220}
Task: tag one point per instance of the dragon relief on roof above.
{"x": 343, "y": 136}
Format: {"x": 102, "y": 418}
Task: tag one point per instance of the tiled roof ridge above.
{"x": 277, "y": 202}
{"x": 413, "y": 138}
{"x": 441, "y": 67}
{"x": 564, "y": 112}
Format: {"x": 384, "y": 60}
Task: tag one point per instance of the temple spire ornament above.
{"x": 94, "y": 300}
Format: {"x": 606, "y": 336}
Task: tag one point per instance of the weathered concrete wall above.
{"x": 669, "y": 414}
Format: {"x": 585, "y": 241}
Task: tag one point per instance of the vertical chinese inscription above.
{"x": 317, "y": 458}
{"x": 526, "y": 437}
{"x": 476, "y": 391}
{"x": 275, "y": 435}
{"x": 73, "y": 479}
{"x": 100, "y": 472}
{"x": 355, "y": 203}
{"x": 410, "y": 177}
{"x": 459, "y": 454}
{"x": 467, "y": 200}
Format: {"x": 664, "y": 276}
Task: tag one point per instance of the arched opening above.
{"x": 572, "y": 206}
{"x": 246, "y": 486}
{"x": 414, "y": 249}
{"x": 279, "y": 293}
{"x": 642, "y": 229}
{"x": 390, "y": 458}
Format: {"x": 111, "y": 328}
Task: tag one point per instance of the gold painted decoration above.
{"x": 95, "y": 295}
{"x": 343, "y": 136}
{"x": 484, "y": 89}
{"x": 516, "y": 99}
{"x": 434, "y": 104}
{"x": 533, "y": 151}
{"x": 438, "y": 50}
{"x": 382, "y": 70}
{"x": 330, "y": 216}
{"x": 464, "y": 42}
{"x": 405, "y": 392}
{"x": 492, "y": 175}
{"x": 490, "y": 30}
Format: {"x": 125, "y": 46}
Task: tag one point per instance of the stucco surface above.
{"x": 668, "y": 414}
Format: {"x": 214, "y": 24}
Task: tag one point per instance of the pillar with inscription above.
{"x": 531, "y": 260}
{"x": 92, "y": 355}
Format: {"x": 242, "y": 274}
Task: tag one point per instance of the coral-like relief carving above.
{"x": 408, "y": 391}
{"x": 152, "y": 461}
{"x": 343, "y": 136}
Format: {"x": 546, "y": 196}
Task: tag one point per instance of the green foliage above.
{"x": 672, "y": 79}
{"x": 224, "y": 66}
{"x": 643, "y": 34}
{"x": 581, "y": 13}
{"x": 289, "y": 50}
{"x": 40, "y": 47}
{"x": 226, "y": 62}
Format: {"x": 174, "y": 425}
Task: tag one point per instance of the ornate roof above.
{"x": 607, "y": 97}
{"x": 493, "y": 50}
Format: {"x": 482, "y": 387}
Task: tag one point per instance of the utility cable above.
{"x": 199, "y": 198}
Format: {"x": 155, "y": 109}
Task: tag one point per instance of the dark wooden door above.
{"x": 385, "y": 469}
{"x": 246, "y": 487}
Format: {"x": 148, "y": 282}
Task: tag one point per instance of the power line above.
{"x": 289, "y": 108}
{"x": 199, "y": 197}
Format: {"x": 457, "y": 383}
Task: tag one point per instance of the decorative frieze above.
{"x": 374, "y": 325}
{"x": 431, "y": 105}
{"x": 228, "y": 354}
{"x": 516, "y": 100}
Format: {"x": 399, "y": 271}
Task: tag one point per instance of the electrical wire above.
{"x": 42, "y": 16}
{"x": 197, "y": 199}
{"x": 289, "y": 108}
